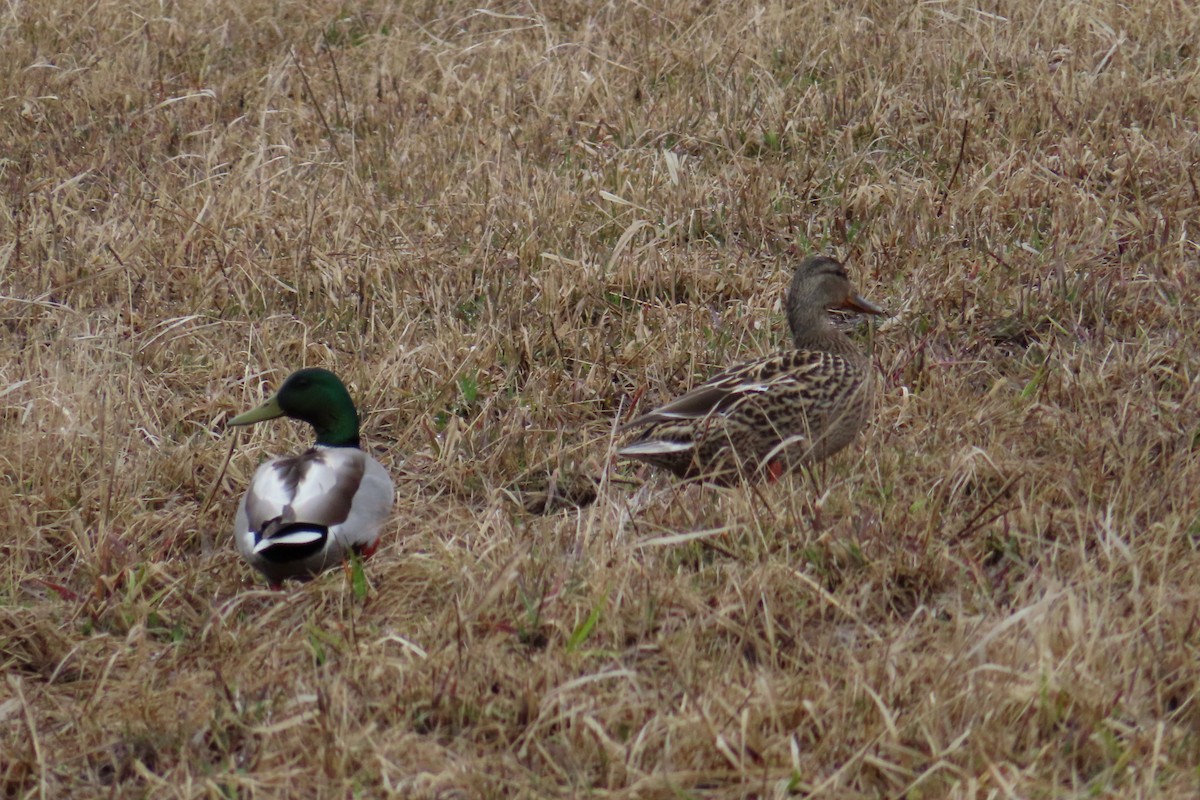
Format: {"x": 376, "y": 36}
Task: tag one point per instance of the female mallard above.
{"x": 304, "y": 512}
{"x": 778, "y": 412}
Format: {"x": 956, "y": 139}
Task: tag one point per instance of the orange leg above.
{"x": 368, "y": 550}
{"x": 774, "y": 471}
{"x": 637, "y": 398}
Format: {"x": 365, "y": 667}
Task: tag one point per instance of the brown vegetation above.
{"x": 502, "y": 225}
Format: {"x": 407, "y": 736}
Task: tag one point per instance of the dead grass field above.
{"x": 502, "y": 224}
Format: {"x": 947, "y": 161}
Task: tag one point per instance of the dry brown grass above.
{"x": 500, "y": 224}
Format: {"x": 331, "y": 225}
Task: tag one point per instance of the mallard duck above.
{"x": 773, "y": 414}
{"x": 304, "y": 513}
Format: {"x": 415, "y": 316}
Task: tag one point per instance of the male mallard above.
{"x": 777, "y": 412}
{"x": 304, "y": 512}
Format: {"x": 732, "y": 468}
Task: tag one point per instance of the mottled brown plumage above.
{"x": 778, "y": 412}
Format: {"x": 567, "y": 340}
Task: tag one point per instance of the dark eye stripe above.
{"x": 822, "y": 266}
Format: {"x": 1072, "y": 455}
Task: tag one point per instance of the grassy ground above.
{"x": 504, "y": 226}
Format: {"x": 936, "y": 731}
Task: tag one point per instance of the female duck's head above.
{"x": 821, "y": 284}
